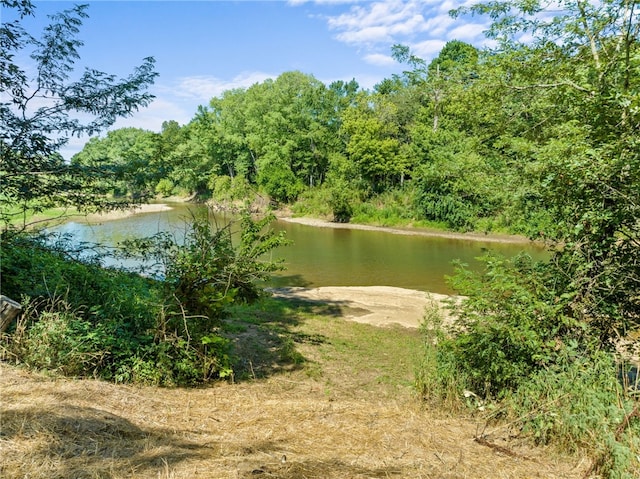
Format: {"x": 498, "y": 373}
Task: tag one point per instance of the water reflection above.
{"x": 343, "y": 257}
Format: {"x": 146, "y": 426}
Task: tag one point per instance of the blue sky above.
{"x": 203, "y": 48}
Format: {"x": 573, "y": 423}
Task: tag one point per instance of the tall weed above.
{"x": 578, "y": 405}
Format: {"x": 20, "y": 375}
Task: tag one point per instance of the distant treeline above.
{"x": 454, "y": 140}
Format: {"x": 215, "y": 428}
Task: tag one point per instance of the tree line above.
{"x": 422, "y": 134}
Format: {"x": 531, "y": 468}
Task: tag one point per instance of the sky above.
{"x": 203, "y": 48}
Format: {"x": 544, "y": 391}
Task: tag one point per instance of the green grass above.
{"x": 287, "y": 335}
{"x": 30, "y": 217}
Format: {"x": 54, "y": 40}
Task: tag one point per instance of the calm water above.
{"x": 326, "y": 256}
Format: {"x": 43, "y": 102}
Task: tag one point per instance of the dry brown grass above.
{"x": 348, "y": 412}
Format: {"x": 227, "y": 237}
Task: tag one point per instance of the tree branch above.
{"x": 551, "y": 85}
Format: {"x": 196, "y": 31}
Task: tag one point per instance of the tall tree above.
{"x": 132, "y": 155}
{"x": 455, "y": 66}
{"x": 40, "y": 113}
{"x": 373, "y": 143}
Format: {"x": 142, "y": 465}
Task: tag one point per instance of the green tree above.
{"x": 227, "y": 117}
{"x": 373, "y": 143}
{"x": 292, "y": 136}
{"x": 40, "y": 113}
{"x": 439, "y": 82}
{"x": 588, "y": 160}
{"x": 132, "y": 155}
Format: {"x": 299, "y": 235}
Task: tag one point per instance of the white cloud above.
{"x": 180, "y": 101}
{"x": 424, "y": 25}
{"x": 149, "y": 118}
{"x": 438, "y": 25}
{"x": 470, "y": 32}
{"x": 366, "y": 35}
{"x": 75, "y": 145}
{"x": 428, "y": 49}
{"x": 204, "y": 88}
{"x": 378, "y": 21}
{"x": 447, "y": 5}
{"x": 379, "y": 59}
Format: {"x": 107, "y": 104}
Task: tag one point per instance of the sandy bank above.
{"x": 119, "y": 214}
{"x": 375, "y": 305}
{"x": 494, "y": 238}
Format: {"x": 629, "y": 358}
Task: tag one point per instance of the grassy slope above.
{"x": 334, "y": 397}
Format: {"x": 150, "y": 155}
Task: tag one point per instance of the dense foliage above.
{"x": 82, "y": 319}
{"x": 539, "y": 340}
{"x": 79, "y": 318}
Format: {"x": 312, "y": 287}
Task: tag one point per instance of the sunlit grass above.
{"x": 33, "y": 215}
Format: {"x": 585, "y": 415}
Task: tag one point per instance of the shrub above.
{"x": 85, "y": 320}
{"x": 60, "y": 340}
{"x": 578, "y": 405}
{"x": 341, "y": 202}
{"x": 165, "y": 187}
{"x": 511, "y": 324}
{"x": 516, "y": 351}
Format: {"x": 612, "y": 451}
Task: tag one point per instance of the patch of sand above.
{"x": 375, "y": 305}
{"x": 138, "y": 209}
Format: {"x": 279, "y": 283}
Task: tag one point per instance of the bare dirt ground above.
{"x": 284, "y": 427}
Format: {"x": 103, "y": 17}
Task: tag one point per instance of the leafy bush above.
{"x": 165, "y": 187}
{"x": 511, "y": 324}
{"x": 517, "y": 351}
{"x": 313, "y": 202}
{"x": 60, "y": 340}
{"x": 451, "y": 210}
{"x": 85, "y": 320}
{"x": 279, "y": 182}
{"x": 577, "y": 405}
{"x": 341, "y": 202}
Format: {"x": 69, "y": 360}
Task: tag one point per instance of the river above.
{"x": 325, "y": 256}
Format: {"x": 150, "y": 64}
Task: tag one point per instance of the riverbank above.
{"x": 136, "y": 210}
{"x": 344, "y": 409}
{"x": 380, "y": 306}
{"x": 320, "y": 223}
{"x": 494, "y": 238}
